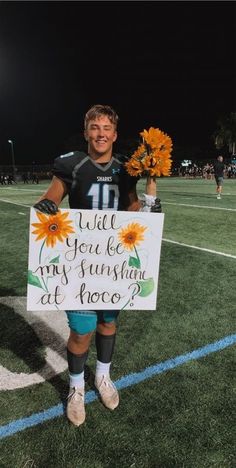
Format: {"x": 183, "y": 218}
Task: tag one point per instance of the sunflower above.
{"x": 134, "y": 166}
{"x": 152, "y": 157}
{"x": 131, "y": 235}
{"x": 52, "y": 228}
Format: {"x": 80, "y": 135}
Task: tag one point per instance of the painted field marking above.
{"x": 169, "y": 240}
{"x": 14, "y": 203}
{"x": 163, "y": 203}
{"x": 23, "y": 189}
{"x": 199, "y": 206}
{"x": 124, "y": 382}
{"x": 178, "y": 190}
{"x": 199, "y": 248}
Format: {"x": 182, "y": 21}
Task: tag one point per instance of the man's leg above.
{"x": 219, "y": 188}
{"x": 82, "y": 325}
{"x": 105, "y": 342}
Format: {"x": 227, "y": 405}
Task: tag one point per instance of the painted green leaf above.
{"x": 146, "y": 286}
{"x": 34, "y": 280}
{"x": 55, "y": 259}
{"x": 134, "y": 262}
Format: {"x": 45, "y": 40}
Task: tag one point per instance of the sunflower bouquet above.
{"x": 151, "y": 160}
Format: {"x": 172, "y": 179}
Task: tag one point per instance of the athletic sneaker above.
{"x": 75, "y": 406}
{"x": 218, "y": 197}
{"x": 108, "y": 392}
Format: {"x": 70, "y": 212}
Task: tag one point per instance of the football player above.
{"x": 93, "y": 180}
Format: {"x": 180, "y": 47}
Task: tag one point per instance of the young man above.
{"x": 96, "y": 180}
{"x": 219, "y": 175}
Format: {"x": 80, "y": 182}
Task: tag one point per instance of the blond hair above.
{"x": 97, "y": 111}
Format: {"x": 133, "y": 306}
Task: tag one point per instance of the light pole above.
{"x": 12, "y": 157}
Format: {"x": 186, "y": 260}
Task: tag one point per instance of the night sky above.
{"x": 164, "y": 64}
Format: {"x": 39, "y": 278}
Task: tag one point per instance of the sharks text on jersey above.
{"x": 104, "y": 178}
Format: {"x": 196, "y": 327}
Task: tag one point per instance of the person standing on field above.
{"x": 93, "y": 180}
{"x": 219, "y": 175}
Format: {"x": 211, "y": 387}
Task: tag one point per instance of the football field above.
{"x": 174, "y": 367}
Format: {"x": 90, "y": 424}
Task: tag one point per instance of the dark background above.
{"x": 164, "y": 64}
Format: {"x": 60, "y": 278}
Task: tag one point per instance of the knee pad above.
{"x": 82, "y": 322}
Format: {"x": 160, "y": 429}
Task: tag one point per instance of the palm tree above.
{"x": 225, "y": 134}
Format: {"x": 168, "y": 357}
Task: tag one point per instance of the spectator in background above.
{"x": 25, "y": 178}
{"x": 219, "y": 175}
{"x": 35, "y": 179}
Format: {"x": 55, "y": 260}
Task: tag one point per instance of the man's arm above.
{"x": 133, "y": 201}
{"x": 48, "y": 203}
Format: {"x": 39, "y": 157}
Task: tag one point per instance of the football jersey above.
{"x": 92, "y": 185}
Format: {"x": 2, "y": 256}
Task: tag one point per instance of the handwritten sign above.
{"x": 94, "y": 260}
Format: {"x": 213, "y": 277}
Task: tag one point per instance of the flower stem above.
{"x": 40, "y": 258}
{"x": 137, "y": 255}
{"x": 40, "y": 253}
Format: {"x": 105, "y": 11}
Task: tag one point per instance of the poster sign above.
{"x": 94, "y": 260}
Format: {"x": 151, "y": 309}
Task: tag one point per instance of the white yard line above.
{"x": 179, "y": 192}
{"x": 168, "y": 240}
{"x": 199, "y": 206}
{"x": 14, "y": 203}
{"x": 199, "y": 248}
{"x": 21, "y": 190}
{"x": 163, "y": 203}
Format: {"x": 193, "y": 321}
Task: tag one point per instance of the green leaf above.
{"x": 134, "y": 262}
{"x": 34, "y": 280}
{"x": 55, "y": 259}
{"x": 146, "y": 286}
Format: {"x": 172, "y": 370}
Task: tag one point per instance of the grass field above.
{"x": 175, "y": 366}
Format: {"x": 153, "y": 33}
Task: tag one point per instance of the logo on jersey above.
{"x": 104, "y": 179}
{"x": 115, "y": 171}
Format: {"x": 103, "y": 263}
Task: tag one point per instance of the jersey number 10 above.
{"x": 104, "y": 196}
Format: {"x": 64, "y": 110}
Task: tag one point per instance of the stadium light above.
{"x": 12, "y": 157}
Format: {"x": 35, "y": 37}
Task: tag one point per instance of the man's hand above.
{"x": 156, "y": 208}
{"x": 46, "y": 206}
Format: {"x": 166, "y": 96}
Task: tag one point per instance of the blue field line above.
{"x": 131, "y": 379}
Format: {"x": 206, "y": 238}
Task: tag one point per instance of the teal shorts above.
{"x": 83, "y": 322}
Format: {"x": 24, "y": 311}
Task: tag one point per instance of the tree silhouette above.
{"x": 225, "y": 134}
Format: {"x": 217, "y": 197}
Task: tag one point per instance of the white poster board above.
{"x": 94, "y": 260}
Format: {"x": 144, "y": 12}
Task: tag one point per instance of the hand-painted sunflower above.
{"x": 131, "y": 235}
{"x": 52, "y": 228}
{"x": 152, "y": 157}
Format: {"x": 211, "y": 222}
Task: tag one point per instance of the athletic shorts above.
{"x": 219, "y": 180}
{"x": 83, "y": 322}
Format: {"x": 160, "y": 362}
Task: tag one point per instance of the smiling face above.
{"x": 100, "y": 135}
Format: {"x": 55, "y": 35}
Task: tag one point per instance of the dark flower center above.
{"x": 53, "y": 227}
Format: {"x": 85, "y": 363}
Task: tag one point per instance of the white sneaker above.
{"x": 75, "y": 406}
{"x": 218, "y": 197}
{"x": 108, "y": 392}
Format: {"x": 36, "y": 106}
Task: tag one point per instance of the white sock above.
{"x": 77, "y": 380}
{"x": 102, "y": 368}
